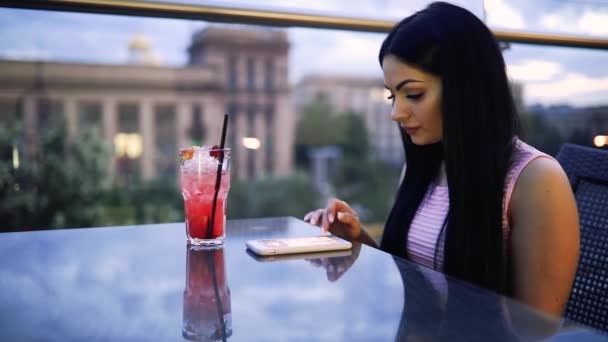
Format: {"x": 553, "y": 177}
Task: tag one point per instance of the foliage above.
{"x": 293, "y": 195}
{"x": 56, "y": 185}
{"x": 156, "y": 201}
{"x": 359, "y": 178}
{"x": 316, "y": 126}
{"x": 541, "y": 134}
{"x": 351, "y": 135}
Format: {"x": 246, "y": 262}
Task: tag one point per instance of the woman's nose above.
{"x": 400, "y": 111}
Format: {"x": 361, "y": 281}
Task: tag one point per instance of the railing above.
{"x": 273, "y": 18}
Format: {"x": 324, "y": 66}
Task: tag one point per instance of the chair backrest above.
{"x": 587, "y": 170}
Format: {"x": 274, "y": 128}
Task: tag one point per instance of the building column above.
{"x": 109, "y": 130}
{"x": 213, "y": 118}
{"x": 260, "y": 134}
{"x": 240, "y": 132}
{"x": 71, "y": 117}
{"x": 182, "y": 124}
{"x": 284, "y": 133}
{"x": 30, "y": 123}
{"x": 146, "y": 127}
{"x": 259, "y": 66}
{"x": 241, "y": 72}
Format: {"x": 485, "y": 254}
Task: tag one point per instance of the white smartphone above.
{"x": 300, "y": 256}
{"x": 298, "y": 245}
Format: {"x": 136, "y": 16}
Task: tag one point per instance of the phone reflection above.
{"x": 336, "y": 266}
{"x": 335, "y": 263}
{"x": 206, "y": 306}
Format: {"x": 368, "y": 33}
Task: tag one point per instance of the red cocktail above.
{"x": 204, "y": 193}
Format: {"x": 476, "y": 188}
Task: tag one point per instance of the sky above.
{"x": 550, "y": 75}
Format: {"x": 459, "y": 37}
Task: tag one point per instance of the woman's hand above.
{"x": 335, "y": 267}
{"x": 338, "y": 218}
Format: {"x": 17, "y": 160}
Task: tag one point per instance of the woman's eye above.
{"x": 414, "y": 96}
{"x": 392, "y": 97}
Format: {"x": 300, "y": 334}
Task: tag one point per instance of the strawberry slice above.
{"x": 215, "y": 152}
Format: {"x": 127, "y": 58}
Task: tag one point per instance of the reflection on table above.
{"x": 144, "y": 283}
{"x": 206, "y": 296}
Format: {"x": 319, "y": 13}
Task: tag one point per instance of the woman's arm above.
{"x": 545, "y": 236}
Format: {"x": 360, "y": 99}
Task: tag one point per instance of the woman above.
{"x": 475, "y": 202}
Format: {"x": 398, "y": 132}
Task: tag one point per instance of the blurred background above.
{"x": 93, "y": 108}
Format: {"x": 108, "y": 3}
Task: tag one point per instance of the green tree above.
{"x": 155, "y": 201}
{"x": 293, "y": 195}
{"x": 58, "y": 186}
{"x": 360, "y": 179}
{"x": 351, "y": 134}
{"x": 541, "y": 134}
{"x": 318, "y": 126}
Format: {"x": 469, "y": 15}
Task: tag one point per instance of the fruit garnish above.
{"x": 215, "y": 152}
{"x": 186, "y": 154}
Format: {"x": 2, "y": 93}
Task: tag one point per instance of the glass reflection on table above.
{"x": 206, "y": 306}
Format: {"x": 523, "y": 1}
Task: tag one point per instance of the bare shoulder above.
{"x": 543, "y": 196}
{"x": 542, "y": 177}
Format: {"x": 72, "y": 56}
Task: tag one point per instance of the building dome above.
{"x": 141, "y": 51}
{"x": 140, "y": 42}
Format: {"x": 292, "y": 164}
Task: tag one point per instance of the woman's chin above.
{"x": 421, "y": 141}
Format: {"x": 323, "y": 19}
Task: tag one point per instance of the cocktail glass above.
{"x": 205, "y": 181}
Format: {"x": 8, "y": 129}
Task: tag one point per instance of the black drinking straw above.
{"x": 218, "y": 299}
{"x": 218, "y": 178}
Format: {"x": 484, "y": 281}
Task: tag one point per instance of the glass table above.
{"x": 143, "y": 282}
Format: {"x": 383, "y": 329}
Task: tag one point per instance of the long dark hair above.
{"x": 479, "y": 126}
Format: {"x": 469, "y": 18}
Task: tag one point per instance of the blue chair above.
{"x": 587, "y": 170}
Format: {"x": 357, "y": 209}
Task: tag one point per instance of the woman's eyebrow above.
{"x": 402, "y": 83}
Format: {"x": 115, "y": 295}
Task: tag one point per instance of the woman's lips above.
{"x": 411, "y": 130}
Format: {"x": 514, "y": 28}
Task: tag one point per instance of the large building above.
{"x": 363, "y": 95}
{"x": 147, "y": 112}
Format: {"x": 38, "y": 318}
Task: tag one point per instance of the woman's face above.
{"x": 416, "y": 99}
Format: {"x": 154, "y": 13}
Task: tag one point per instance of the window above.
{"x": 90, "y": 117}
{"x": 50, "y": 115}
{"x": 10, "y": 113}
{"x": 269, "y": 76}
{"x": 128, "y": 144}
{"x": 232, "y": 74}
{"x": 10, "y": 118}
{"x": 197, "y": 127}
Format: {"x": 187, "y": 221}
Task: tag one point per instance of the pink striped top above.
{"x": 428, "y": 221}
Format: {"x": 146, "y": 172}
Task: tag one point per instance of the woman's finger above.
{"x": 346, "y": 218}
{"x": 331, "y": 210}
{"x": 307, "y": 216}
{"x": 316, "y": 216}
